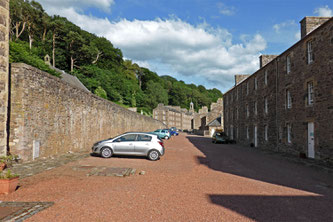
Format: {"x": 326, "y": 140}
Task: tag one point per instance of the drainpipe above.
{"x": 276, "y": 103}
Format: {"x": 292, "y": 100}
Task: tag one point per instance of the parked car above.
{"x": 162, "y": 133}
{"x": 173, "y": 131}
{"x": 221, "y": 137}
{"x": 132, "y": 143}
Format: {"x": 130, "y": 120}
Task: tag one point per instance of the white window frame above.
{"x": 310, "y": 93}
{"x": 288, "y": 99}
{"x": 266, "y": 132}
{"x": 266, "y": 77}
{"x": 309, "y": 51}
{"x": 288, "y": 132}
{"x": 288, "y": 64}
{"x": 266, "y": 106}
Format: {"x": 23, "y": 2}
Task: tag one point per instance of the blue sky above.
{"x": 203, "y": 42}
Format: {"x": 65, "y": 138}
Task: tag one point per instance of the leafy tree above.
{"x": 101, "y": 92}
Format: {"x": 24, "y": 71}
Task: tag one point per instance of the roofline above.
{"x": 291, "y": 47}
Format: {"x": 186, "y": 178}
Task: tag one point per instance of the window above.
{"x": 237, "y": 113}
{"x": 129, "y": 137}
{"x": 144, "y": 138}
{"x": 255, "y": 83}
{"x": 247, "y": 110}
{"x": 237, "y": 94}
{"x": 247, "y": 88}
{"x": 310, "y": 93}
{"x": 289, "y": 132}
{"x": 288, "y": 64}
{"x": 266, "y": 106}
{"x": 266, "y": 133}
{"x": 288, "y": 99}
{"x": 310, "y": 52}
{"x": 231, "y": 97}
{"x": 255, "y": 108}
{"x": 266, "y": 77}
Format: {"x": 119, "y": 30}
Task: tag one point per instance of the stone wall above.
{"x": 4, "y": 66}
{"x": 274, "y": 80}
{"x": 50, "y": 117}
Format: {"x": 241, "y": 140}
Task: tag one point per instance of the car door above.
{"x": 142, "y": 144}
{"x": 124, "y": 144}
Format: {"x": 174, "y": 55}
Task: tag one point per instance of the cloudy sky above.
{"x": 203, "y": 42}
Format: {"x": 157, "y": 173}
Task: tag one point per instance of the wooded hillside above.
{"x": 95, "y": 61}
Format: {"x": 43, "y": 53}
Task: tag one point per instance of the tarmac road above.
{"x": 195, "y": 181}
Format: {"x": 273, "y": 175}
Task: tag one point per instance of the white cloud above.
{"x": 284, "y": 25}
{"x": 174, "y": 47}
{"x": 324, "y": 11}
{"x": 226, "y": 10}
{"x": 57, "y": 5}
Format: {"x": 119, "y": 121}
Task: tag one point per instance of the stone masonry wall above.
{"x": 287, "y": 124}
{"x": 52, "y": 117}
{"x": 4, "y": 66}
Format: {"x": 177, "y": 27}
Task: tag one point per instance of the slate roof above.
{"x": 70, "y": 79}
{"x": 216, "y": 122}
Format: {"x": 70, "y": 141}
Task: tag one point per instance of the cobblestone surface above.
{"x": 19, "y": 211}
{"x": 34, "y": 167}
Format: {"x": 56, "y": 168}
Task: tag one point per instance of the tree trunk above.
{"x": 30, "y": 41}
{"x": 72, "y": 64}
{"x": 53, "y": 50}
{"x": 17, "y": 27}
{"x": 44, "y": 35}
{"x": 97, "y": 57}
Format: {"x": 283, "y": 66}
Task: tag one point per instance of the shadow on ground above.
{"x": 254, "y": 164}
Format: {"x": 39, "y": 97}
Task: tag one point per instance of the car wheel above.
{"x": 153, "y": 155}
{"x": 106, "y": 152}
{"x": 166, "y": 137}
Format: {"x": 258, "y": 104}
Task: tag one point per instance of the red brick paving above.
{"x": 195, "y": 181}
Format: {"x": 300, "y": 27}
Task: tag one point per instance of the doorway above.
{"x": 311, "y": 151}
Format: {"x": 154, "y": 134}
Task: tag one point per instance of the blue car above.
{"x": 173, "y": 131}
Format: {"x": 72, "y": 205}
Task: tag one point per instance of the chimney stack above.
{"x": 239, "y": 78}
{"x": 265, "y": 59}
{"x": 308, "y": 24}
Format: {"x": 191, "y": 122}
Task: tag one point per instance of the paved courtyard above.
{"x": 195, "y": 181}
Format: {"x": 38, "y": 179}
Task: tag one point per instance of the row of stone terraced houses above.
{"x": 287, "y": 105}
{"x": 202, "y": 122}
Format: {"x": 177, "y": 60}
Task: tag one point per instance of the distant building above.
{"x": 174, "y": 116}
{"x": 287, "y": 105}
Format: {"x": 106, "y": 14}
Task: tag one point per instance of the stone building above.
{"x": 189, "y": 119}
{"x": 287, "y": 105}
{"x": 173, "y": 116}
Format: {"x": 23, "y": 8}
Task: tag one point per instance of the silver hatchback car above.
{"x": 133, "y": 143}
